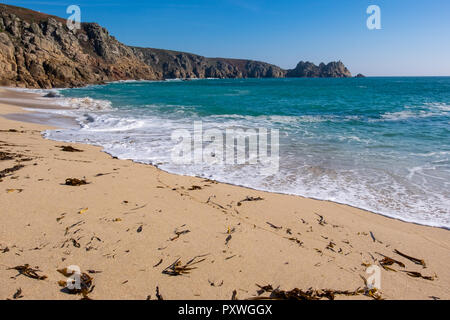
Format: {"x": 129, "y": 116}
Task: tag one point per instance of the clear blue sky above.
{"x": 414, "y": 39}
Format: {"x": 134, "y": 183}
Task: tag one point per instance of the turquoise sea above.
{"x": 381, "y": 144}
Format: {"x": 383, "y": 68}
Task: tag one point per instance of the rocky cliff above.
{"x": 39, "y": 51}
{"x": 173, "y": 64}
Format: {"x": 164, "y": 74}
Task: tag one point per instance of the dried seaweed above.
{"x": 85, "y": 285}
{"x": 104, "y": 174}
{"x": 73, "y": 225}
{"x": 69, "y": 149}
{"x": 415, "y": 260}
{"x": 330, "y": 246}
{"x": 158, "y": 294}
{"x": 300, "y": 243}
{"x": 75, "y": 182}
{"x": 274, "y": 226}
{"x": 249, "y": 199}
{"x": 312, "y": 294}
{"x": 263, "y": 289}
{"x": 11, "y": 130}
{"x": 415, "y": 274}
{"x": 298, "y": 294}
{"x": 321, "y": 220}
{"x": 179, "y": 233}
{"x": 385, "y": 267}
{"x": 177, "y": 269}
{"x": 230, "y": 231}
{"x": 387, "y": 261}
{"x": 369, "y": 292}
{"x": 140, "y": 207}
{"x": 213, "y": 284}
{"x": 6, "y": 156}
{"x": 75, "y": 243}
{"x": 372, "y": 293}
{"x": 61, "y": 217}
{"x": 139, "y": 230}
{"x": 234, "y": 295}
{"x": 216, "y": 204}
{"x": 160, "y": 261}
{"x": 18, "y": 294}
{"x": 29, "y": 272}
{"x": 93, "y": 271}
{"x": 7, "y": 171}
{"x": 228, "y": 239}
{"x": 195, "y": 188}
{"x": 210, "y": 181}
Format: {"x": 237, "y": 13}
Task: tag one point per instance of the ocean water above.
{"x": 381, "y": 144}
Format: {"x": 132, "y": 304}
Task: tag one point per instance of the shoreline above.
{"x": 223, "y": 212}
{"x": 25, "y": 96}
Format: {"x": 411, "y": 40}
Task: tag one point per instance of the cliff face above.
{"x": 39, "y": 51}
{"x": 310, "y": 70}
{"x": 173, "y": 64}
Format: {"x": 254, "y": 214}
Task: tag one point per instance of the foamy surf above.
{"x": 373, "y": 157}
{"x": 83, "y": 104}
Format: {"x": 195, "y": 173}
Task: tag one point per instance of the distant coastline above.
{"x": 51, "y": 55}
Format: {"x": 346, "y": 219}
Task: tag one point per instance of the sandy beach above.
{"x": 132, "y": 221}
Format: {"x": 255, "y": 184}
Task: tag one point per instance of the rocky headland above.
{"x": 39, "y": 51}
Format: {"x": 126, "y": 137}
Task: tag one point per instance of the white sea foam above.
{"x": 407, "y": 114}
{"x": 145, "y": 138}
{"x": 36, "y": 91}
{"x": 108, "y": 123}
{"x": 135, "y": 81}
{"x": 424, "y": 111}
{"x": 84, "y": 104}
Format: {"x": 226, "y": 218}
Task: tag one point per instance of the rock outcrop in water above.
{"x": 39, "y": 51}
{"x": 310, "y": 70}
